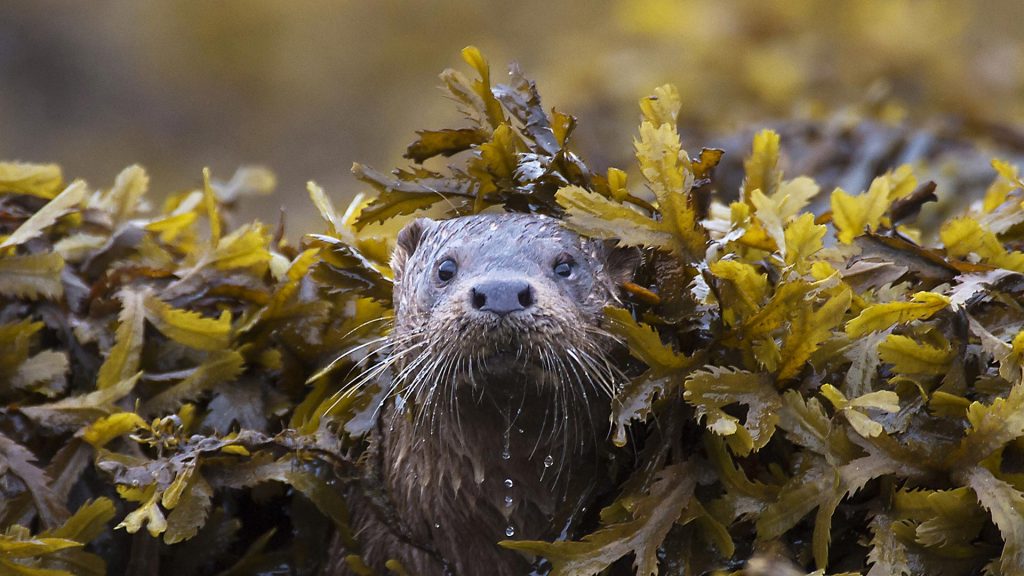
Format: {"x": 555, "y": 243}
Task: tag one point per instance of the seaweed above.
{"x": 830, "y": 387}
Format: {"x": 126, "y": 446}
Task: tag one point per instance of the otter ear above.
{"x": 407, "y": 242}
{"x": 620, "y": 263}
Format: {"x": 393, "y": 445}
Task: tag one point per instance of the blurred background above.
{"x": 306, "y": 88}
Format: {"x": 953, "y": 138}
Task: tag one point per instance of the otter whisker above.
{"x": 333, "y": 363}
{"x": 369, "y": 322}
{"x": 433, "y": 373}
{"x": 387, "y": 338}
{"x": 556, "y": 397}
{"x": 439, "y": 373}
{"x": 387, "y": 362}
{"x": 368, "y": 376}
{"x": 563, "y": 414}
{"x": 594, "y": 378}
{"x": 572, "y": 363}
{"x": 399, "y": 383}
{"x": 604, "y": 378}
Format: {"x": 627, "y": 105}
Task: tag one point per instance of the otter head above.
{"x": 501, "y": 302}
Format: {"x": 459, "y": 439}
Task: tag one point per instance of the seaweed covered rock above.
{"x": 829, "y": 380}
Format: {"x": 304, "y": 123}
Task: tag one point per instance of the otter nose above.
{"x": 502, "y": 296}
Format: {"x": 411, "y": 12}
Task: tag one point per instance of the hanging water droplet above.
{"x": 510, "y": 531}
{"x": 506, "y": 454}
{"x": 508, "y": 482}
{"x": 548, "y": 461}
{"x": 508, "y": 501}
{"x": 619, "y": 438}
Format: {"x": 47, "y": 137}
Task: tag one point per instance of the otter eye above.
{"x": 563, "y": 269}
{"x": 446, "y": 271}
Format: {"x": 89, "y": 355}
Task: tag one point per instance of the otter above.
{"x": 501, "y": 380}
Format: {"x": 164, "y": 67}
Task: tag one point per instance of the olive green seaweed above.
{"x": 816, "y": 380}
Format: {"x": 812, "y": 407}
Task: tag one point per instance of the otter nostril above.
{"x": 479, "y": 299}
{"x": 526, "y": 297}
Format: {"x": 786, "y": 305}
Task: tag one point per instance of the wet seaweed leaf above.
{"x": 148, "y": 514}
{"x": 124, "y": 357}
{"x": 74, "y": 412}
{"x": 188, "y": 514}
{"x": 922, "y": 305}
{"x": 220, "y": 367}
{"x": 122, "y": 200}
{"x": 107, "y": 428}
{"x": 653, "y": 516}
{"x": 13, "y": 549}
{"x": 992, "y": 426}
{"x": 761, "y": 171}
{"x": 247, "y": 181}
{"x": 599, "y": 217}
{"x": 808, "y": 329}
{"x": 711, "y": 390}
{"x": 42, "y": 180}
{"x": 433, "y": 143}
{"x": 187, "y": 327}
{"x": 659, "y": 152}
{"x": 888, "y": 556}
{"x": 33, "y": 276}
{"x": 910, "y": 357}
{"x": 1006, "y": 504}
{"x": 18, "y": 460}
{"x": 853, "y": 215}
{"x": 43, "y": 373}
{"x": 62, "y": 204}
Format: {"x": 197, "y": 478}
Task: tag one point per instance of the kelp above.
{"x": 814, "y": 378}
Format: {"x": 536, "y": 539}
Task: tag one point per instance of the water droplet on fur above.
{"x": 548, "y": 461}
{"x": 437, "y": 525}
{"x": 135, "y": 483}
{"x": 619, "y": 439}
{"x": 508, "y": 501}
{"x": 510, "y": 531}
{"x": 506, "y": 452}
{"x": 508, "y": 483}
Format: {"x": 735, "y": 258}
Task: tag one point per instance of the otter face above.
{"x": 502, "y": 297}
